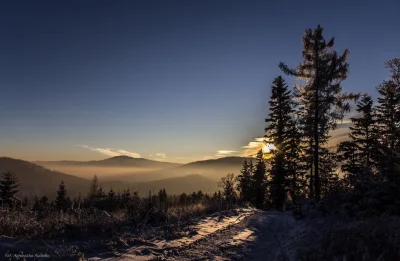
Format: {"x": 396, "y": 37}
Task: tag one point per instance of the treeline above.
{"x": 100, "y": 212}
{"x": 300, "y": 120}
{"x": 100, "y": 198}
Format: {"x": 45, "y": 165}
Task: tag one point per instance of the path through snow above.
{"x": 252, "y": 235}
{"x": 262, "y": 236}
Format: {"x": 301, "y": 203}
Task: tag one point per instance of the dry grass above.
{"x": 86, "y": 223}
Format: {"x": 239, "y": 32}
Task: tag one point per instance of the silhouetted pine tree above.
{"x": 347, "y": 154}
{"x": 101, "y": 193}
{"x": 259, "y": 181}
{"x": 388, "y": 119}
{"x": 320, "y": 98}
{"x": 295, "y": 165}
{"x": 8, "y": 188}
{"x": 244, "y": 186}
{"x": 126, "y": 196}
{"x": 228, "y": 185}
{"x": 329, "y": 175}
{"x": 111, "y": 195}
{"x": 61, "y": 199}
{"x": 94, "y": 187}
{"x": 304, "y": 130}
{"x": 183, "y": 198}
{"x": 163, "y": 200}
{"x": 358, "y": 155}
{"x": 279, "y": 122}
{"x": 112, "y": 200}
{"x": 200, "y": 195}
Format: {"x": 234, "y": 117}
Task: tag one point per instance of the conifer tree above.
{"x": 358, "y": 155}
{"x": 200, "y": 195}
{"x": 252, "y": 168}
{"x": 329, "y": 176}
{"x": 8, "y": 188}
{"x": 111, "y": 195}
{"x": 101, "y": 193}
{"x": 61, "y": 199}
{"x": 388, "y": 119}
{"x": 183, "y": 198}
{"x": 279, "y": 122}
{"x": 295, "y": 165}
{"x": 163, "y": 200}
{"x": 259, "y": 181}
{"x": 347, "y": 155}
{"x": 244, "y": 186}
{"x": 94, "y": 187}
{"x": 126, "y": 196}
{"x": 228, "y": 184}
{"x": 320, "y": 98}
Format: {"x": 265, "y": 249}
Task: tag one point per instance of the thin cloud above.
{"x": 111, "y": 152}
{"x": 161, "y": 155}
{"x": 340, "y": 134}
{"x": 225, "y": 153}
{"x": 158, "y": 155}
{"x": 253, "y": 147}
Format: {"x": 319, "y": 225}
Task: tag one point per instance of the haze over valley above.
{"x": 200, "y": 130}
{"x": 120, "y": 173}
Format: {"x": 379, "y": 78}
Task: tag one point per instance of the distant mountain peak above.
{"x": 121, "y": 157}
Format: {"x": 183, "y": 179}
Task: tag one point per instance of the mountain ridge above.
{"x": 37, "y": 180}
{"x": 117, "y": 161}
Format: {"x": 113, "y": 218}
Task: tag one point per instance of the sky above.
{"x": 167, "y": 80}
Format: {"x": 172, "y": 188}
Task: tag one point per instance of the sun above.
{"x": 266, "y": 148}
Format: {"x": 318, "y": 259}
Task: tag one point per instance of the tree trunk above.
{"x": 316, "y": 136}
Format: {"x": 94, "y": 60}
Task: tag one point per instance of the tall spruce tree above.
{"x": 320, "y": 98}
{"x": 163, "y": 200}
{"x": 94, "y": 187}
{"x": 111, "y": 195}
{"x": 279, "y": 123}
{"x": 347, "y": 155}
{"x": 228, "y": 184}
{"x": 359, "y": 154}
{"x": 61, "y": 199}
{"x": 244, "y": 185}
{"x": 295, "y": 165}
{"x": 328, "y": 172}
{"x": 259, "y": 181}
{"x": 388, "y": 119}
{"x": 101, "y": 194}
{"x": 8, "y": 188}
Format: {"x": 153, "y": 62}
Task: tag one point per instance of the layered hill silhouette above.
{"x": 129, "y": 169}
{"x": 38, "y": 180}
{"x": 118, "y": 161}
{"x": 213, "y": 169}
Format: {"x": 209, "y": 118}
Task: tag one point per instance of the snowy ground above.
{"x": 245, "y": 234}
{"x": 249, "y": 235}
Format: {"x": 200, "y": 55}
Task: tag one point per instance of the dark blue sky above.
{"x": 183, "y": 78}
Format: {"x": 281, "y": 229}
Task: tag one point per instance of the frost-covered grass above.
{"x": 362, "y": 225}
{"x": 186, "y": 225}
{"x": 84, "y": 223}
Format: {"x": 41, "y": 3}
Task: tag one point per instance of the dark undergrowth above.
{"x": 362, "y": 224}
